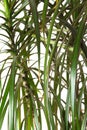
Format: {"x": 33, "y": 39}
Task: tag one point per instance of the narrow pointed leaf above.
{"x": 74, "y": 67}
{"x": 11, "y": 96}
{"x": 36, "y": 23}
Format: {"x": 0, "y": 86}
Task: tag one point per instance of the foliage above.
{"x": 43, "y": 73}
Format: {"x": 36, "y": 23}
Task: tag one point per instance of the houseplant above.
{"x": 45, "y": 56}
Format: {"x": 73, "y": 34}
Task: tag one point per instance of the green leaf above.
{"x": 74, "y": 67}
{"x": 3, "y": 105}
{"x": 83, "y": 127}
{"x": 7, "y": 9}
{"x": 11, "y": 96}
{"x": 44, "y": 13}
{"x": 36, "y": 23}
{"x": 2, "y": 116}
{"x": 46, "y": 66}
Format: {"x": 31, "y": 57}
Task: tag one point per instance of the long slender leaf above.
{"x": 36, "y": 23}
{"x": 74, "y": 67}
{"x": 11, "y": 96}
{"x": 3, "y": 114}
{"x": 44, "y": 13}
{"x": 46, "y": 64}
{"x": 7, "y": 9}
{"x": 83, "y": 127}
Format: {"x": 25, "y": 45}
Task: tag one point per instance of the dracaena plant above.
{"x": 43, "y": 64}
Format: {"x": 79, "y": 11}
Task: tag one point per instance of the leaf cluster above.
{"x": 45, "y": 64}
